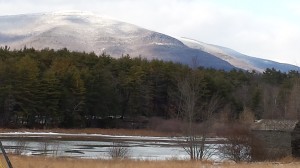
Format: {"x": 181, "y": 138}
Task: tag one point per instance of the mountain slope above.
{"x": 79, "y": 31}
{"x": 86, "y": 32}
{"x": 237, "y": 59}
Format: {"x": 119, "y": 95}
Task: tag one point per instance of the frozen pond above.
{"x": 94, "y": 145}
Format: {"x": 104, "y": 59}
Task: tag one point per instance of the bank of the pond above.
{"x": 45, "y": 162}
{"x": 128, "y": 132}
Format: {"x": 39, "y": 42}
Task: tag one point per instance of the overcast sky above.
{"x": 263, "y": 28}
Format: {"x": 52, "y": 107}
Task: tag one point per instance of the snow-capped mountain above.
{"x": 80, "y": 31}
{"x": 237, "y": 59}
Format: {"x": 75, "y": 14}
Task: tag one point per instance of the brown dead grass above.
{"x": 129, "y": 132}
{"x": 41, "y": 162}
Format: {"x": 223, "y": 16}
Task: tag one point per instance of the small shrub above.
{"x": 118, "y": 151}
{"x": 241, "y": 145}
{"x": 237, "y": 148}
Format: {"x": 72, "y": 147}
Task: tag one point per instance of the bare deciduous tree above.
{"x": 270, "y": 102}
{"x": 247, "y": 116}
{"x": 192, "y": 109}
{"x": 189, "y": 88}
{"x": 294, "y": 101}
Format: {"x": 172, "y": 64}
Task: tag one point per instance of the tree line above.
{"x": 49, "y": 88}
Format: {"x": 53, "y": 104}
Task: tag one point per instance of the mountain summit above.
{"x": 80, "y": 31}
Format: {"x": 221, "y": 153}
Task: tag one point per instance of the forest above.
{"x": 48, "y": 88}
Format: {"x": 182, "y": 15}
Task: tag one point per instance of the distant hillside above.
{"x": 86, "y": 32}
{"x": 237, "y": 59}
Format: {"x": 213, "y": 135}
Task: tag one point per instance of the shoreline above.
{"x": 116, "y": 132}
{"x": 37, "y": 162}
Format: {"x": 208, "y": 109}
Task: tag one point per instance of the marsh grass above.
{"x": 45, "y": 162}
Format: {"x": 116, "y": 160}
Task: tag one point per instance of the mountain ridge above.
{"x": 238, "y": 59}
{"x": 80, "y": 31}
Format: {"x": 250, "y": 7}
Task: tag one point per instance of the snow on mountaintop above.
{"x": 84, "y": 31}
{"x": 49, "y": 20}
{"x": 237, "y": 59}
{"x": 220, "y": 53}
{"x": 80, "y": 31}
{"x": 74, "y": 30}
